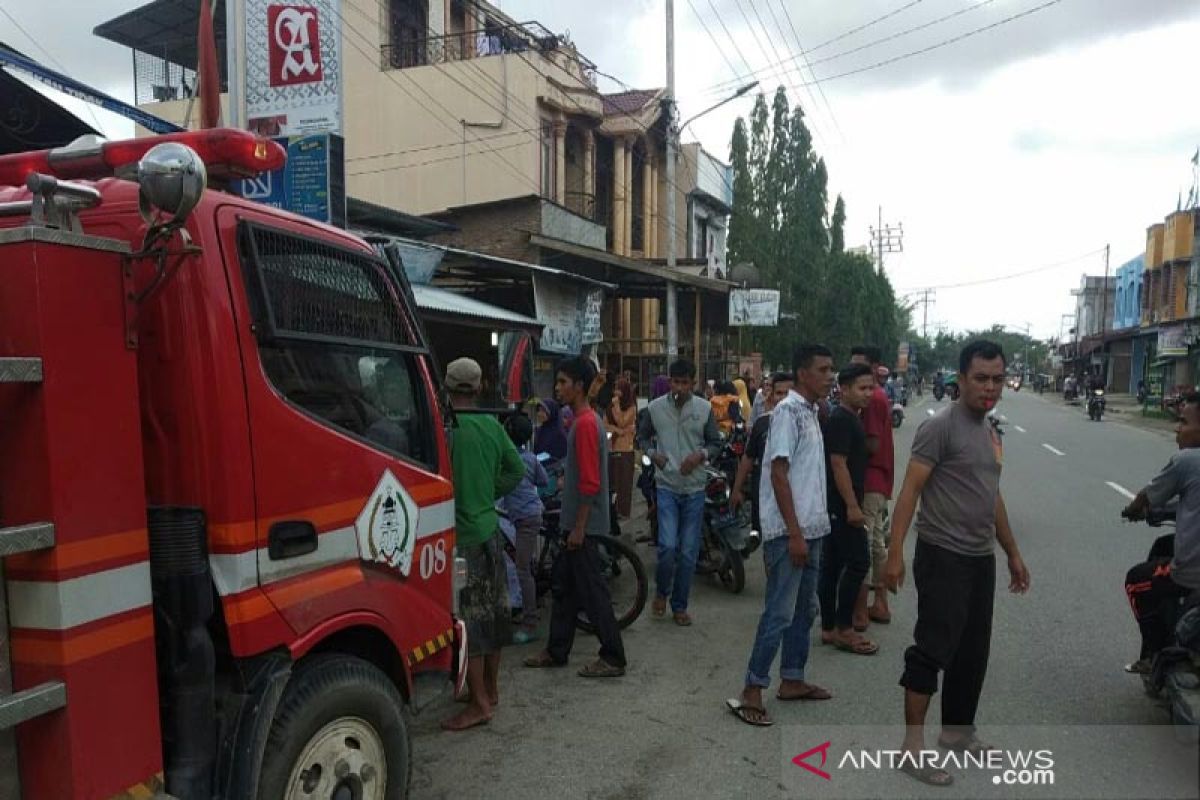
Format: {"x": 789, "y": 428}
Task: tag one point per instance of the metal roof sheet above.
{"x": 443, "y": 301}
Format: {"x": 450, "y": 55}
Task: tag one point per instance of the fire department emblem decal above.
{"x": 387, "y": 525}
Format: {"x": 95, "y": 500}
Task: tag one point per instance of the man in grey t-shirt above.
{"x": 1159, "y": 581}
{"x": 955, "y": 468}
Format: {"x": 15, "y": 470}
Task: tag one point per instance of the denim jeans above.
{"x": 679, "y": 519}
{"x": 790, "y": 606}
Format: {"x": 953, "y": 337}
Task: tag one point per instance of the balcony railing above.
{"x": 495, "y": 40}
{"x": 583, "y": 204}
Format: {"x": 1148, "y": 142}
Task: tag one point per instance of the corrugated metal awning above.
{"x": 469, "y": 310}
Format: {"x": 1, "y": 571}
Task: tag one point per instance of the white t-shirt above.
{"x": 795, "y": 435}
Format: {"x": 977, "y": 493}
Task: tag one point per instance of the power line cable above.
{"x": 821, "y": 89}
{"x": 884, "y": 39}
{"x": 716, "y": 44}
{"x": 52, "y": 60}
{"x": 1010, "y": 276}
{"x": 811, "y": 97}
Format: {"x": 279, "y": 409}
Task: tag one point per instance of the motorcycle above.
{"x": 1174, "y": 675}
{"x": 726, "y": 539}
{"x": 939, "y": 391}
{"x": 897, "y": 414}
{"x": 1095, "y": 404}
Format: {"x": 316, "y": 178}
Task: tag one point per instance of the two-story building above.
{"x": 1126, "y": 346}
{"x": 454, "y": 110}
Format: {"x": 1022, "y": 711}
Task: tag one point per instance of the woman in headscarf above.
{"x": 743, "y": 394}
{"x": 621, "y": 421}
{"x": 551, "y": 437}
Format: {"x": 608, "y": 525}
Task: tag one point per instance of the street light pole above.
{"x": 672, "y": 298}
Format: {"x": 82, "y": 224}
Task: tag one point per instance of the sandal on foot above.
{"x": 863, "y": 647}
{"x": 1140, "y": 667}
{"x": 601, "y": 669}
{"x": 659, "y": 607}
{"x": 543, "y": 661}
{"x": 930, "y": 776}
{"x": 683, "y": 619}
{"x": 882, "y": 619}
{"x": 813, "y": 692}
{"x": 751, "y": 715}
{"x": 969, "y": 744}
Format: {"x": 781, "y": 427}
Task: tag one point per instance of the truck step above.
{"x": 29, "y": 703}
{"x": 26, "y": 538}
{"x": 20, "y": 370}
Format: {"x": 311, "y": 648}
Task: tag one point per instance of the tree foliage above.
{"x": 941, "y": 350}
{"x": 781, "y": 224}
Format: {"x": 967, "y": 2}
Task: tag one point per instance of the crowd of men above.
{"x": 821, "y": 478}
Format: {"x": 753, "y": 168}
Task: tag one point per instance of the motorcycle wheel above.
{"x": 627, "y": 584}
{"x": 897, "y": 419}
{"x": 733, "y": 571}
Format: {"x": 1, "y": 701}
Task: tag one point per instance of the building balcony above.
{"x": 520, "y": 38}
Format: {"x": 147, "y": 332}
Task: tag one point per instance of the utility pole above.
{"x": 672, "y": 299}
{"x": 886, "y": 239}
{"x": 927, "y": 296}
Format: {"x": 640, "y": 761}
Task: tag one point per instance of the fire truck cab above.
{"x": 225, "y": 488}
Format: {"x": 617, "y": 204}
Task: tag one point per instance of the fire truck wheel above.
{"x": 339, "y": 734}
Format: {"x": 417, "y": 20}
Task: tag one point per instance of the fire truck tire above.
{"x": 340, "y": 724}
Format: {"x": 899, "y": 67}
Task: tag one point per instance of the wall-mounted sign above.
{"x": 561, "y": 308}
{"x": 754, "y": 307}
{"x": 293, "y": 66}
{"x": 311, "y": 184}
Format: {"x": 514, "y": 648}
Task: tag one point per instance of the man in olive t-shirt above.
{"x": 955, "y": 468}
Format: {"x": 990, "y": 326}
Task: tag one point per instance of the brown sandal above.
{"x": 683, "y": 619}
{"x": 601, "y": 669}
{"x": 814, "y": 693}
{"x": 543, "y": 661}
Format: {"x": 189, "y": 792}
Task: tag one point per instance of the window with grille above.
{"x": 335, "y": 341}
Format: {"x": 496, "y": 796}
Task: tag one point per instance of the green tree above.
{"x": 837, "y": 227}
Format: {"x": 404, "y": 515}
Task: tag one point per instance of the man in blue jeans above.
{"x": 679, "y": 434}
{"x": 795, "y": 522}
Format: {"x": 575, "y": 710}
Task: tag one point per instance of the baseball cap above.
{"x": 463, "y": 375}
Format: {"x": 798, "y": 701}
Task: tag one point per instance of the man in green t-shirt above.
{"x": 486, "y": 467}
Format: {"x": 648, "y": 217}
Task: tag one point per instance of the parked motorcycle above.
{"x": 1095, "y": 404}
{"x": 1174, "y": 675}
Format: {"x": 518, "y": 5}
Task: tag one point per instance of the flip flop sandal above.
{"x": 814, "y": 693}
{"x": 743, "y": 711}
{"x": 930, "y": 776}
{"x": 881, "y": 619}
{"x": 860, "y": 628}
{"x": 969, "y": 745}
{"x": 683, "y": 619}
{"x": 659, "y": 609}
{"x": 601, "y": 669}
{"x": 863, "y": 647}
{"x": 446, "y": 726}
{"x": 543, "y": 661}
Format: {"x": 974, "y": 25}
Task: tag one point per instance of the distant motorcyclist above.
{"x": 1155, "y": 584}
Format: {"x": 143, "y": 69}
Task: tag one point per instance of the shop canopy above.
{"x": 443, "y": 305}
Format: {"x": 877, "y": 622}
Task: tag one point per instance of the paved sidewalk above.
{"x": 1119, "y": 407}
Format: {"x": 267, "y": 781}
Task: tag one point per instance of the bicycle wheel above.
{"x": 626, "y": 578}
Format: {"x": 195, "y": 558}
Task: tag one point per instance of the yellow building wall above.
{"x": 1154, "y": 245}
{"x": 1177, "y": 237}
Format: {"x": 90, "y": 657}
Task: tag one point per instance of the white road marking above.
{"x": 1054, "y": 450}
{"x": 1121, "y": 490}
{"x": 1022, "y": 430}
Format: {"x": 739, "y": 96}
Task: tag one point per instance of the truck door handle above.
{"x": 291, "y": 538}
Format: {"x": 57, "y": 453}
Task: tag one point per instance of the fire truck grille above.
{"x": 310, "y": 289}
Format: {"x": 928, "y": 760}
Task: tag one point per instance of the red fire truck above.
{"x": 225, "y": 499}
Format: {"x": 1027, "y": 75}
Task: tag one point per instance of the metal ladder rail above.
{"x": 17, "y": 707}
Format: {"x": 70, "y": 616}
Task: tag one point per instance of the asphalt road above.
{"x": 663, "y": 731}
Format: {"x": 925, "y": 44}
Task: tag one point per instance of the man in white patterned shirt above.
{"x": 795, "y": 522}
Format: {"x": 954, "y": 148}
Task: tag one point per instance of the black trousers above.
{"x": 1151, "y": 593}
{"x": 577, "y": 585}
{"x": 845, "y": 562}
{"x": 953, "y": 634}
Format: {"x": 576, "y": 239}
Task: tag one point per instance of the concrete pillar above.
{"x": 589, "y": 173}
{"x": 627, "y": 324}
{"x": 560, "y": 161}
{"x": 627, "y": 144}
{"x": 697, "y": 331}
{"x": 647, "y": 179}
{"x": 618, "y": 194}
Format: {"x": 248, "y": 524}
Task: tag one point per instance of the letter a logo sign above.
{"x": 802, "y": 760}
{"x": 295, "y": 45}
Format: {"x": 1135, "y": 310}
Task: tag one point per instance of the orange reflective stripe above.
{"x": 230, "y": 537}
{"x": 70, "y": 649}
{"x": 69, "y": 555}
{"x": 240, "y": 610}
{"x": 313, "y": 585}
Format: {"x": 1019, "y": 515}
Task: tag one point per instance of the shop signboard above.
{"x": 560, "y": 308}
{"x": 754, "y": 307}
{"x": 1173, "y": 341}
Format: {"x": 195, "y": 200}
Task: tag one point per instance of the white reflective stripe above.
{"x": 237, "y": 572}
{"x": 435, "y": 519}
{"x": 58, "y": 605}
{"x": 333, "y": 547}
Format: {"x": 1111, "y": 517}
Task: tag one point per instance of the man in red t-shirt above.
{"x": 881, "y": 474}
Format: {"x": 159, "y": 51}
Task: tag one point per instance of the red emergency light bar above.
{"x": 226, "y": 152}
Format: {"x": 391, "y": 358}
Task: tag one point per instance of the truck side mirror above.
{"x": 171, "y": 178}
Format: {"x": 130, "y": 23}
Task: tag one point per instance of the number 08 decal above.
{"x": 433, "y": 559}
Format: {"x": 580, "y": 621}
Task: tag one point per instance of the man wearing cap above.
{"x": 486, "y": 467}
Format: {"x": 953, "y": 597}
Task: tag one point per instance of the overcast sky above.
{"x": 1029, "y": 144}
